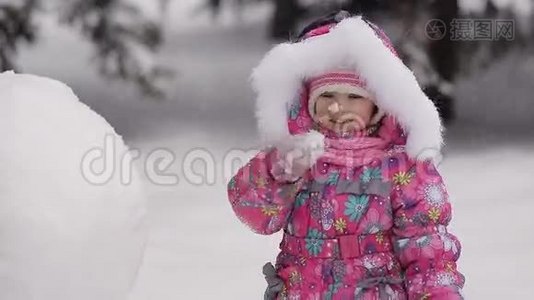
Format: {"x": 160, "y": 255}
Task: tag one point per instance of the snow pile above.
{"x": 62, "y": 237}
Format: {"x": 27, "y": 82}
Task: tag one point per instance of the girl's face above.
{"x": 343, "y": 113}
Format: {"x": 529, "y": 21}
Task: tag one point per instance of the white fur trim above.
{"x": 354, "y": 44}
{"x": 377, "y": 117}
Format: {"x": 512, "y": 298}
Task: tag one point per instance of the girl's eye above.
{"x": 327, "y": 95}
{"x": 354, "y": 96}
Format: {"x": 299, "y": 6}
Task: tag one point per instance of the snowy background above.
{"x": 198, "y": 250}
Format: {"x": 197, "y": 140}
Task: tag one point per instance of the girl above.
{"x": 350, "y": 174}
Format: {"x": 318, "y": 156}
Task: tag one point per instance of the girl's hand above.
{"x": 289, "y": 166}
{"x": 296, "y": 156}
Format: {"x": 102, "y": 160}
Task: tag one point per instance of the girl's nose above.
{"x": 334, "y": 108}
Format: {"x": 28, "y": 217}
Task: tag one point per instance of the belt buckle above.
{"x": 349, "y": 246}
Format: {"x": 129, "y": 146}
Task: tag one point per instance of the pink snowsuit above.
{"x": 370, "y": 229}
{"x": 376, "y": 231}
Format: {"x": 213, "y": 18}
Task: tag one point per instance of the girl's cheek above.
{"x": 366, "y": 111}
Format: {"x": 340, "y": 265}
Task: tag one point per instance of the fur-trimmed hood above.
{"x": 353, "y": 44}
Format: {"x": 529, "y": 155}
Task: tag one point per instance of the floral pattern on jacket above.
{"x": 409, "y": 208}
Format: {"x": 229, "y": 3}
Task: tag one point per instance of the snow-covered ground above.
{"x": 199, "y": 250}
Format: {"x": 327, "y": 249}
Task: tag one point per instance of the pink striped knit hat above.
{"x": 341, "y": 81}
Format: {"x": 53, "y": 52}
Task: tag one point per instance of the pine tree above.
{"x": 122, "y": 37}
{"x": 124, "y": 40}
{"x": 16, "y": 27}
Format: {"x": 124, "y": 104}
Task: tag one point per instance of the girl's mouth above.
{"x": 347, "y": 122}
{"x": 342, "y": 121}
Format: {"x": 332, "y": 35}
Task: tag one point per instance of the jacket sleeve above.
{"x": 426, "y": 250}
{"x": 261, "y": 197}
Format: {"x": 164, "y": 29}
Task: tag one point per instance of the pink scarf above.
{"x": 355, "y": 151}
